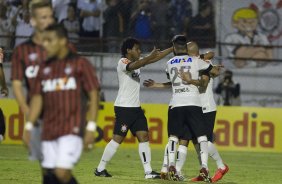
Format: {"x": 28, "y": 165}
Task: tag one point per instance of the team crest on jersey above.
{"x": 31, "y": 71}
{"x": 33, "y": 56}
{"x": 181, "y": 60}
{"x": 59, "y": 84}
{"x": 68, "y": 70}
{"x": 123, "y": 128}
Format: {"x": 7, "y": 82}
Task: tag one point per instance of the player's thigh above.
{"x": 140, "y": 125}
{"x": 69, "y": 151}
{"x": 176, "y": 122}
{"x": 125, "y": 117}
{"x": 196, "y": 121}
{"x": 209, "y": 122}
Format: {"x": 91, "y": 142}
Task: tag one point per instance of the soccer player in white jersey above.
{"x": 185, "y": 118}
{"x": 128, "y": 112}
{"x": 209, "y": 109}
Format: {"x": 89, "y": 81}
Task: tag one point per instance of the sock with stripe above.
{"x": 172, "y": 143}
{"x": 145, "y": 156}
{"x": 180, "y": 157}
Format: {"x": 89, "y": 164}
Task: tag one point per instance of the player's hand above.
{"x": 4, "y": 91}
{"x": 149, "y": 83}
{"x": 88, "y": 140}
{"x": 154, "y": 53}
{"x": 26, "y": 138}
{"x": 185, "y": 76}
{"x": 25, "y": 109}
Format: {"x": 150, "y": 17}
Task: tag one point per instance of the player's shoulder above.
{"x": 124, "y": 61}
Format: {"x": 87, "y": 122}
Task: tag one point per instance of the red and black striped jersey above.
{"x": 61, "y": 84}
{"x": 25, "y": 62}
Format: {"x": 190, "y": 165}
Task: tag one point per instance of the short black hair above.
{"x": 179, "y": 40}
{"x": 128, "y": 43}
{"x": 59, "y": 29}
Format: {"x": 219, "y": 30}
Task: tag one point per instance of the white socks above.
{"x": 165, "y": 162}
{"x": 203, "y": 141}
{"x": 213, "y": 153}
{"x": 145, "y": 156}
{"x": 172, "y": 143}
{"x": 109, "y": 152}
{"x": 181, "y": 157}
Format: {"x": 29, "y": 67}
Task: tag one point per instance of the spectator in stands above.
{"x": 180, "y": 12}
{"x": 60, "y": 9}
{"x": 228, "y": 91}
{"x": 141, "y": 23}
{"x": 23, "y": 27}
{"x": 159, "y": 18}
{"x": 90, "y": 11}
{"x": 6, "y": 28}
{"x": 113, "y": 25}
{"x": 71, "y": 23}
{"x": 126, "y": 8}
{"x": 201, "y": 28}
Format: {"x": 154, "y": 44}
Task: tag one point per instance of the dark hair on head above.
{"x": 60, "y": 30}
{"x": 228, "y": 72}
{"x": 128, "y": 43}
{"x": 179, "y": 40}
{"x": 36, "y": 4}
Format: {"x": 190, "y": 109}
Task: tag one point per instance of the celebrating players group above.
{"x": 56, "y": 78}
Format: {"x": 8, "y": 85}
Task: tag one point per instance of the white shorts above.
{"x": 63, "y": 152}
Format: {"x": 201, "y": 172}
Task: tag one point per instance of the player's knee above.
{"x": 202, "y": 139}
{"x": 142, "y": 136}
{"x": 183, "y": 142}
{"x": 63, "y": 175}
{"x": 118, "y": 138}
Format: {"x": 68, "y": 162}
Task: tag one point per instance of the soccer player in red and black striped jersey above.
{"x": 28, "y": 55}
{"x": 58, "y": 92}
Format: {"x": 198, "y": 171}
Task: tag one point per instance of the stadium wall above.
{"x": 236, "y": 129}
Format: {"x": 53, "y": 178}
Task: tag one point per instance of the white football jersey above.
{"x": 207, "y": 98}
{"x": 184, "y": 94}
{"x": 129, "y": 85}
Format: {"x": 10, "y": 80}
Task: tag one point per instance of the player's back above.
{"x": 183, "y": 93}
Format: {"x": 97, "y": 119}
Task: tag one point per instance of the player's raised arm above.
{"x": 154, "y": 56}
{"x": 155, "y": 85}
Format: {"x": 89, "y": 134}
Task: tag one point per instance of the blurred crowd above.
{"x": 112, "y": 20}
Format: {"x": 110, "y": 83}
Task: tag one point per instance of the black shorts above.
{"x": 2, "y": 123}
{"x": 186, "y": 122}
{"x": 209, "y": 123}
{"x": 129, "y": 118}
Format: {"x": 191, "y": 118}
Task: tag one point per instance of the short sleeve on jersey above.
{"x": 202, "y": 65}
{"x": 123, "y": 63}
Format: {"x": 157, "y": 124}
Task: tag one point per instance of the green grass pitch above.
{"x": 126, "y": 168}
